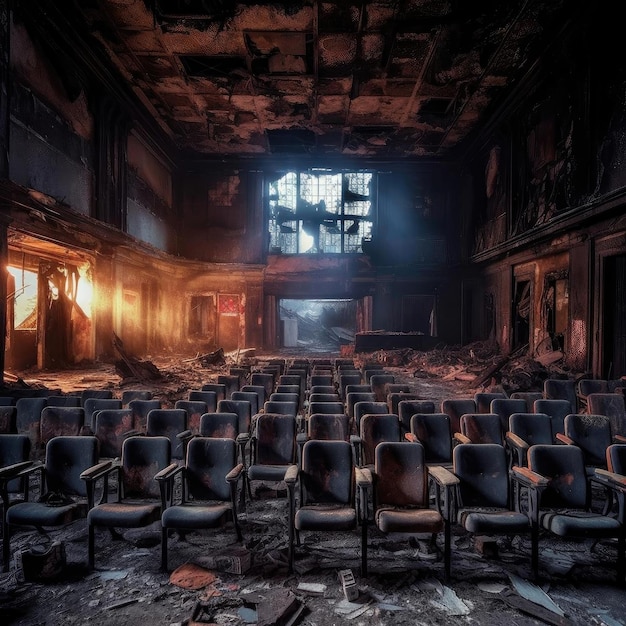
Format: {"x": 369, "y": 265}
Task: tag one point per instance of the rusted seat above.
{"x": 326, "y": 499}
{"x": 559, "y": 501}
{"x": 138, "y": 502}
{"x": 399, "y": 486}
{"x": 63, "y": 496}
{"x": 208, "y": 498}
{"x": 272, "y": 448}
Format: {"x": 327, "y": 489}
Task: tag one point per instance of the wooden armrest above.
{"x": 186, "y": 434}
{"x": 12, "y": 471}
{"x": 619, "y": 479}
{"x": 564, "y": 439}
{"x": 93, "y": 472}
{"x": 291, "y": 475}
{"x": 443, "y": 476}
{"x": 528, "y": 477}
{"x": 363, "y": 477}
{"x": 619, "y": 438}
{"x": 411, "y": 437}
{"x": 235, "y": 473}
{"x": 516, "y": 441}
{"x": 168, "y": 472}
{"x": 461, "y": 438}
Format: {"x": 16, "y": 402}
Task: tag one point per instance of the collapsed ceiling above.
{"x": 382, "y": 78}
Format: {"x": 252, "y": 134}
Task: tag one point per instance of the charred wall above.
{"x": 548, "y": 187}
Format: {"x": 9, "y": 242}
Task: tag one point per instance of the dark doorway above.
{"x": 521, "y": 313}
{"x": 614, "y": 317}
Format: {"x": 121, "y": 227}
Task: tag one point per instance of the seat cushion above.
{"x": 325, "y": 517}
{"x": 123, "y": 515}
{"x": 579, "y": 524}
{"x": 390, "y": 520}
{"x": 267, "y": 472}
{"x": 196, "y": 516}
{"x": 500, "y": 521}
{"x": 38, "y": 514}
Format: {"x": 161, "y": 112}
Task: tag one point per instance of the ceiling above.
{"x": 382, "y": 79}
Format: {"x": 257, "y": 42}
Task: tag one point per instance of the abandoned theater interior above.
{"x": 288, "y": 187}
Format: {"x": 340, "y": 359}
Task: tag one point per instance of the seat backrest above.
{"x": 333, "y": 426}
{"x": 433, "y": 432}
{"x": 128, "y": 395}
{"x": 8, "y": 415}
{"x": 57, "y": 421}
{"x": 395, "y": 397}
{"x": 358, "y": 396}
{"x": 483, "y": 400}
{"x": 102, "y": 394}
{"x": 194, "y": 410}
{"x": 63, "y": 400}
{"x": 110, "y": 428}
{"x": 504, "y": 407}
{"x": 483, "y": 473}
{"x": 529, "y": 397}
{"x": 482, "y": 428}
{"x": 564, "y": 466}
{"x": 407, "y": 408}
{"x": 231, "y": 383}
{"x": 321, "y": 379}
{"x": 401, "y": 475}
{"x": 140, "y": 410}
{"x": 208, "y": 397}
{"x": 533, "y": 428}
{"x": 378, "y": 383}
{"x": 561, "y": 389}
{"x": 142, "y": 458}
{"x": 265, "y": 380}
{"x": 66, "y": 459}
{"x": 367, "y": 406}
{"x": 28, "y": 419}
{"x": 557, "y": 409}
{"x": 616, "y": 458}
{"x": 285, "y": 397}
{"x": 455, "y": 407}
{"x": 360, "y": 388}
{"x": 330, "y": 407}
{"x": 218, "y": 389}
{"x": 286, "y": 408}
{"x": 592, "y": 434}
{"x": 168, "y": 423}
{"x": 14, "y": 448}
{"x": 251, "y": 396}
{"x": 242, "y": 408}
{"x": 292, "y": 379}
{"x": 324, "y": 389}
{"x": 260, "y": 395}
{"x": 208, "y": 461}
{"x": 613, "y": 406}
{"x": 219, "y": 425}
{"x": 275, "y": 439}
{"x": 375, "y": 428}
{"x": 324, "y": 397}
{"x": 327, "y": 474}
{"x": 353, "y": 378}
{"x": 592, "y": 385}
{"x": 91, "y": 405}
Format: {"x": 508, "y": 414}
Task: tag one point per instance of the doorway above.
{"x": 322, "y": 325}
{"x": 614, "y": 317}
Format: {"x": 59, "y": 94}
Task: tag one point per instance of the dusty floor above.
{"x": 405, "y": 584}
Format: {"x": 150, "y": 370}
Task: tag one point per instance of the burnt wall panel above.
{"x": 35, "y": 164}
{"x": 580, "y": 306}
